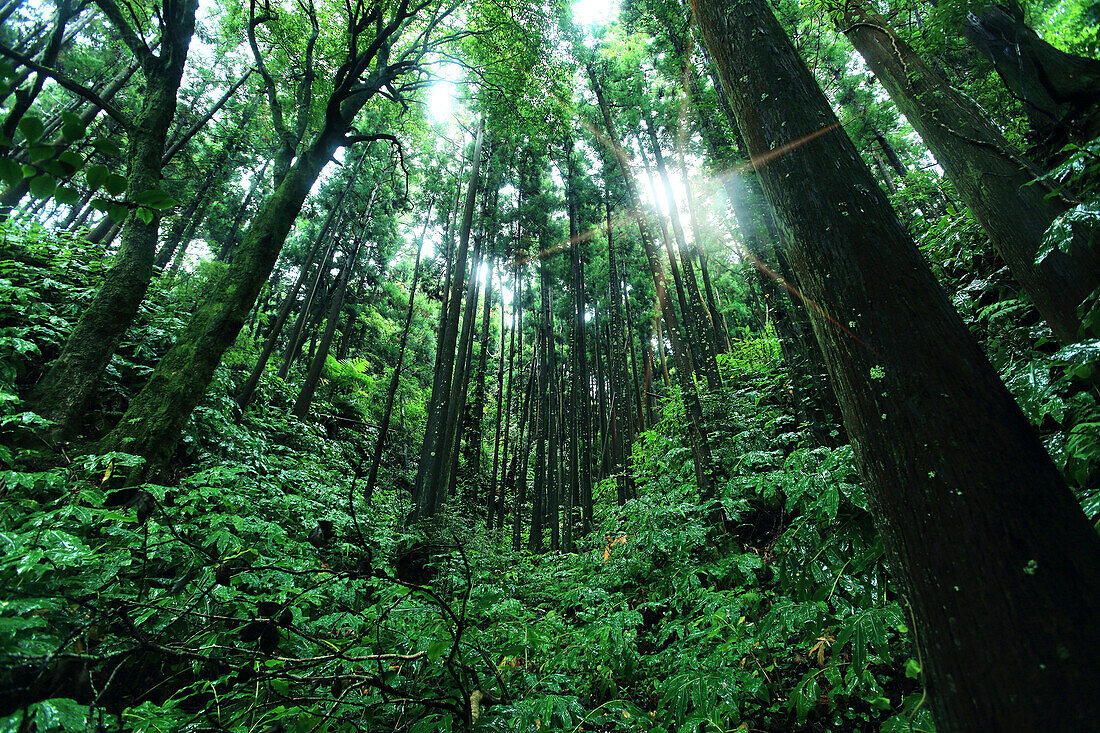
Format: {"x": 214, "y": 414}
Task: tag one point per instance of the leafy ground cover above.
{"x": 261, "y": 593}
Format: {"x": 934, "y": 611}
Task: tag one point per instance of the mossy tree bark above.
{"x": 63, "y": 394}
{"x": 152, "y": 425}
{"x": 993, "y": 180}
{"x": 986, "y": 540}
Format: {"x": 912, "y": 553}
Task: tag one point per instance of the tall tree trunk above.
{"x": 65, "y": 390}
{"x": 317, "y": 363}
{"x": 697, "y": 436}
{"x": 426, "y": 495}
{"x": 248, "y": 391}
{"x": 618, "y": 417}
{"x": 698, "y": 319}
{"x": 993, "y": 179}
{"x": 993, "y": 552}
{"x": 395, "y": 378}
{"x": 580, "y": 455}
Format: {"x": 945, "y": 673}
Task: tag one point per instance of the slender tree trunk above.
{"x": 427, "y": 497}
{"x": 993, "y": 552}
{"x": 339, "y": 292}
{"x": 244, "y": 399}
{"x": 620, "y": 393}
{"x": 395, "y": 378}
{"x": 697, "y": 318}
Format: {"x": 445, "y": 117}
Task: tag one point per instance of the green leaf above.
{"x": 43, "y": 186}
{"x": 1080, "y": 354}
{"x": 437, "y": 648}
{"x": 67, "y": 195}
{"x": 146, "y": 215}
{"x": 107, "y": 147}
{"x": 155, "y": 199}
{"x": 96, "y": 176}
{"x": 71, "y": 127}
{"x": 117, "y": 212}
{"x": 40, "y": 152}
{"x": 912, "y": 669}
{"x": 71, "y": 160}
{"x": 115, "y": 184}
{"x": 31, "y": 127}
{"x": 10, "y": 171}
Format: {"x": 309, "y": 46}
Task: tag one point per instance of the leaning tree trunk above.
{"x": 155, "y": 419}
{"x": 993, "y": 552}
{"x": 990, "y": 177}
{"x": 64, "y": 392}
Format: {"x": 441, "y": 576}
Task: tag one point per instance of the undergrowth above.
{"x": 259, "y": 592}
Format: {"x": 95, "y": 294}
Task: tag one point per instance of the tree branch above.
{"x": 126, "y": 32}
{"x": 73, "y": 86}
{"x": 178, "y": 145}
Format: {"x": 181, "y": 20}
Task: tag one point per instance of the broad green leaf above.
{"x": 146, "y": 215}
{"x": 96, "y": 176}
{"x": 43, "y": 186}
{"x": 118, "y": 212}
{"x": 155, "y": 199}
{"x": 73, "y": 161}
{"x": 38, "y": 153}
{"x": 31, "y": 127}
{"x": 107, "y": 147}
{"x": 10, "y": 171}
{"x": 115, "y": 184}
{"x": 71, "y": 127}
{"x": 67, "y": 195}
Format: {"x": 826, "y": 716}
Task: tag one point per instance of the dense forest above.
{"x": 427, "y": 365}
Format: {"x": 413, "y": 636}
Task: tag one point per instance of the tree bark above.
{"x": 66, "y": 389}
{"x": 993, "y": 180}
{"x": 993, "y": 552}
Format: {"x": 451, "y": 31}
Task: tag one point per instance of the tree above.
{"x": 372, "y": 62}
{"x": 970, "y": 506}
{"x": 993, "y": 179}
{"x": 63, "y": 394}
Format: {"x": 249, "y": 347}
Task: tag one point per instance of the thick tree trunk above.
{"x": 152, "y": 424}
{"x": 66, "y": 389}
{"x": 993, "y": 552}
{"x": 992, "y": 179}
{"x": 1060, "y": 91}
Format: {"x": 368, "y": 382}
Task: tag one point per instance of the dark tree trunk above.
{"x": 1060, "y": 91}
{"x": 66, "y": 389}
{"x": 992, "y": 550}
{"x": 993, "y": 180}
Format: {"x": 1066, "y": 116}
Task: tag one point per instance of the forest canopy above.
{"x": 639, "y": 365}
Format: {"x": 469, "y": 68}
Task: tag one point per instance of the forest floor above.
{"x": 227, "y": 601}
